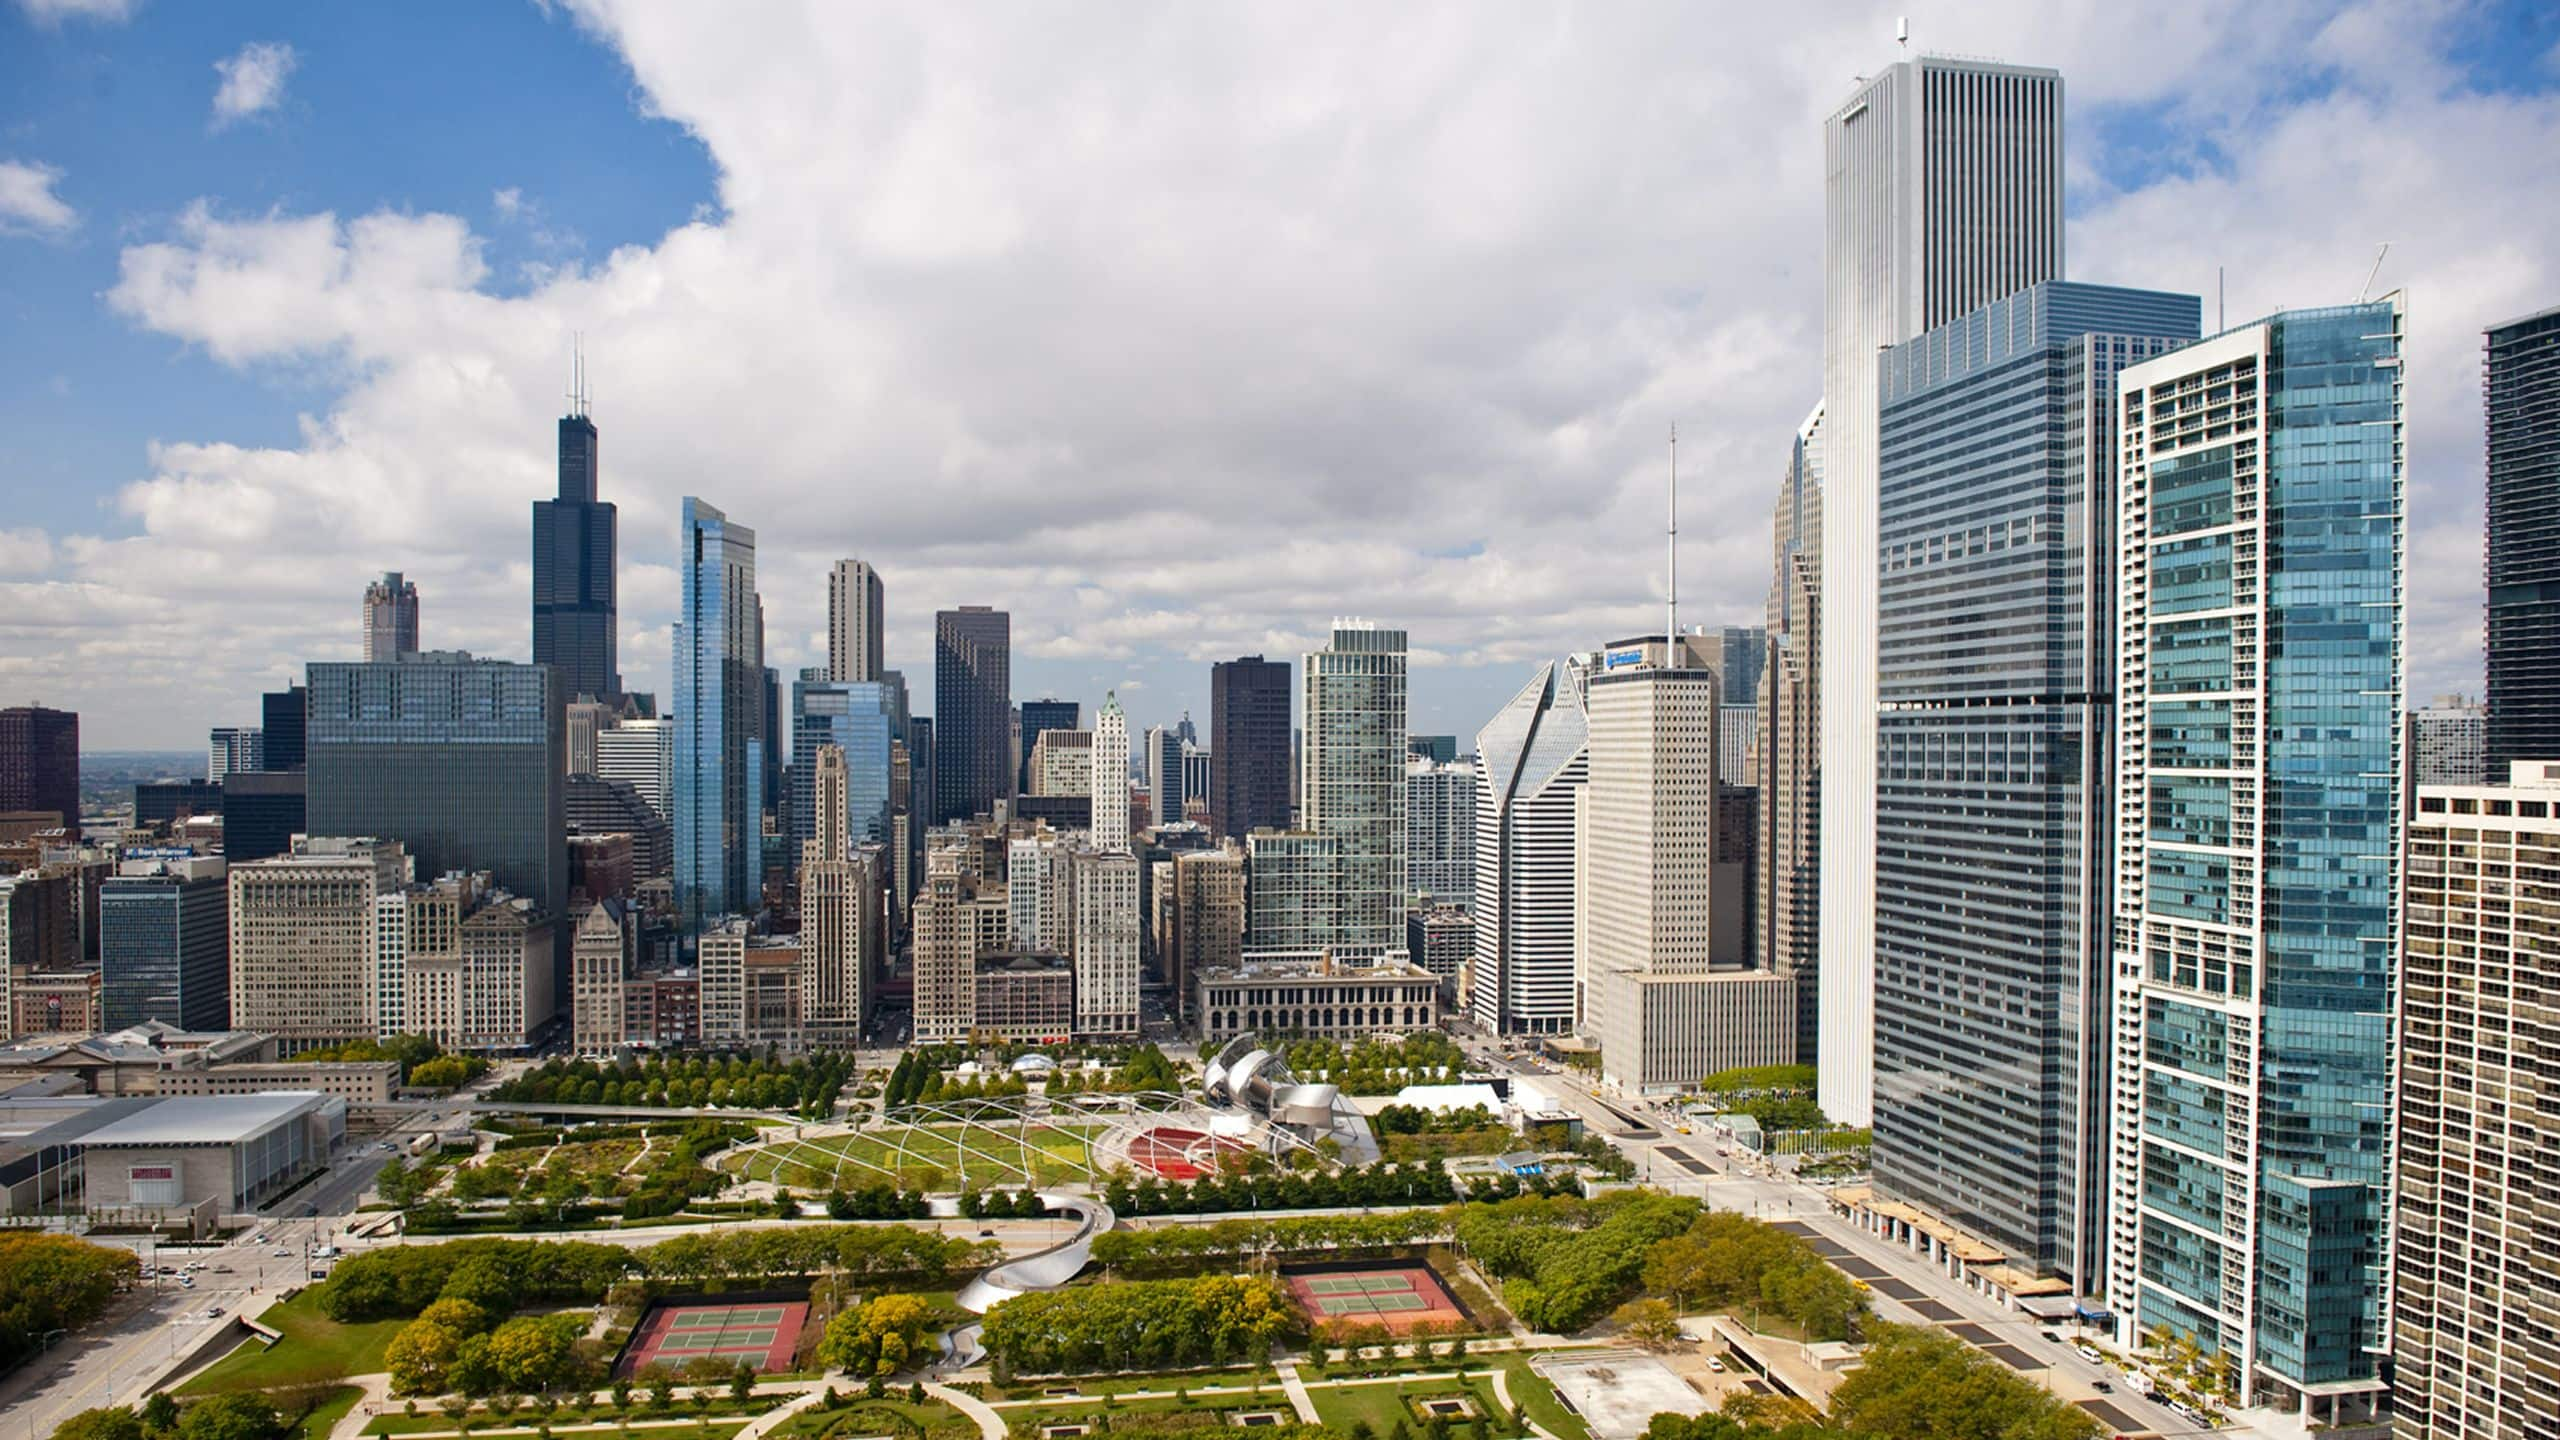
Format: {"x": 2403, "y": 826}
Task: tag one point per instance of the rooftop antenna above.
{"x": 1671, "y": 546}
{"x": 1902, "y": 32}
{"x": 577, "y": 374}
{"x": 2374, "y": 274}
{"x": 2219, "y": 324}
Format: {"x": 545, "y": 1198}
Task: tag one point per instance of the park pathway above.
{"x": 1297, "y": 1389}
{"x": 990, "y": 1424}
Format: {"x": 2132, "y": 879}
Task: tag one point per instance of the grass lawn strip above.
{"x": 717, "y": 1428}
{"x": 325, "y": 1416}
{"x": 1537, "y": 1399}
{"x": 314, "y": 1349}
{"x": 1383, "y": 1402}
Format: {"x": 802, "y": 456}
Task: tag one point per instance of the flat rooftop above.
{"x": 206, "y": 1119}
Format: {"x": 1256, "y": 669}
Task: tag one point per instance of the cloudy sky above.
{"x": 1174, "y": 329}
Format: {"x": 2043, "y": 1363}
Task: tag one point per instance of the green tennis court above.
{"x": 1399, "y": 1296}
{"x": 761, "y": 1334}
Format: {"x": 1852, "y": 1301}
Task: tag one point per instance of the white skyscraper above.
{"x": 641, "y": 754}
{"x": 1943, "y": 193}
{"x": 1111, "y": 777}
{"x": 853, "y": 621}
{"x": 1105, "y": 901}
{"x": 1534, "y": 755}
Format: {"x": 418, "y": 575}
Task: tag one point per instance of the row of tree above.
{"x": 1140, "y": 1325}
{"x": 1734, "y": 1262}
{"x": 878, "y": 1337}
{"x": 1566, "y": 1262}
{"x": 1376, "y": 1066}
{"x": 244, "y": 1415}
{"x": 879, "y": 1200}
{"x": 1912, "y": 1384}
{"x": 54, "y": 1283}
{"x": 1290, "y": 1234}
{"x": 456, "y": 1347}
{"x": 1386, "y": 1183}
{"x": 807, "y": 1085}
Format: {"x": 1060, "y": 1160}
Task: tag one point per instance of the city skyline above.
{"x": 101, "y": 551}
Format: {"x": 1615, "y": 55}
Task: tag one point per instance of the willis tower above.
{"x": 573, "y": 556}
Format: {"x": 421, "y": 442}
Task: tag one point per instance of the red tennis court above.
{"x": 763, "y": 1333}
{"x": 1399, "y": 1297}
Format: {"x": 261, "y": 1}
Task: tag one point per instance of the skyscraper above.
{"x": 1164, "y": 773}
{"x": 1996, "y": 623}
{"x": 1038, "y": 718}
{"x": 2522, "y": 397}
{"x": 834, "y": 982}
{"x": 306, "y": 940}
{"x": 1105, "y": 937}
{"x": 40, "y": 762}
{"x": 390, "y": 618}
{"x": 457, "y": 759}
{"x": 641, "y": 754}
{"x": 234, "y": 747}
{"x": 164, "y": 944}
{"x": 972, "y": 711}
{"x": 1788, "y": 918}
{"x": 1248, "y": 745}
{"x": 2475, "y": 1326}
{"x": 2259, "y": 550}
{"x": 1354, "y": 780}
{"x": 1110, "y": 776}
{"x": 280, "y": 714}
{"x": 1535, "y": 755}
{"x": 855, "y": 627}
{"x": 718, "y": 670}
{"x": 853, "y": 717}
{"x": 2448, "y": 743}
{"x": 1440, "y": 833}
{"x": 1944, "y": 193}
{"x": 574, "y": 539}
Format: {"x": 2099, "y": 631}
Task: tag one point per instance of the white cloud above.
{"x": 25, "y": 552}
{"x": 52, "y": 13}
{"x": 28, "y": 205}
{"x": 507, "y": 201}
{"x": 252, "y": 81}
{"x": 1179, "y": 337}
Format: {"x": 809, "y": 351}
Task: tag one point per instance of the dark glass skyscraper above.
{"x": 281, "y": 714}
{"x": 2523, "y": 398}
{"x": 573, "y": 586}
{"x": 164, "y": 944}
{"x": 972, "y": 711}
{"x": 262, "y": 810}
{"x": 40, "y": 761}
{"x": 1995, "y": 618}
{"x": 1039, "y": 716}
{"x": 1248, "y": 745}
{"x": 460, "y": 760}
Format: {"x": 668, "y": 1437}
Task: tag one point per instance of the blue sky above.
{"x": 1176, "y": 331}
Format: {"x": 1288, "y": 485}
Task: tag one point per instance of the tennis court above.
{"x": 762, "y": 1333}
{"x": 1400, "y": 1297}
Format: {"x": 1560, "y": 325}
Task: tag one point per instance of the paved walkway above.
{"x": 990, "y": 1424}
{"x": 1297, "y": 1389}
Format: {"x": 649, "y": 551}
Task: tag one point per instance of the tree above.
{"x": 1649, "y": 1323}
{"x": 113, "y": 1422}
{"x": 160, "y": 1413}
{"x": 240, "y": 1415}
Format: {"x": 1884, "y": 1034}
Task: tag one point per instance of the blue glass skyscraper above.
{"x": 2257, "y": 832}
{"x": 1995, "y": 612}
{"x": 860, "y": 717}
{"x": 718, "y": 684}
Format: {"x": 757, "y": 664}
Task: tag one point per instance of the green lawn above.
{"x": 325, "y": 1417}
{"x": 989, "y": 1157}
{"x": 1094, "y": 1386}
{"x": 314, "y": 1349}
{"x": 430, "y": 1420}
{"x": 1382, "y": 1403}
{"x": 1537, "y": 1399}
{"x": 934, "y": 1419}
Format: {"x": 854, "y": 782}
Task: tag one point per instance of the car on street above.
{"x": 2102, "y": 1387}
{"x": 2090, "y": 1353}
{"x": 281, "y": 1254}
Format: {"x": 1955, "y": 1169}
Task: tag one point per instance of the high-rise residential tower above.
{"x": 972, "y": 711}
{"x": 1787, "y": 919}
{"x": 1039, "y": 717}
{"x": 2259, "y": 605}
{"x": 574, "y": 539}
{"x": 1440, "y": 832}
{"x": 1995, "y": 632}
{"x": 2448, "y": 743}
{"x": 40, "y": 762}
{"x": 2523, "y": 635}
{"x": 856, "y": 650}
{"x": 390, "y": 618}
{"x": 1354, "y": 778}
{"x": 1943, "y": 194}
{"x": 2475, "y": 1293}
{"x": 1110, "y": 776}
{"x": 1533, "y": 756}
{"x": 1248, "y": 745}
{"x": 718, "y": 672}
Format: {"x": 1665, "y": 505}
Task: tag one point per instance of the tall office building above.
{"x": 280, "y": 715}
{"x": 972, "y": 711}
{"x": 1164, "y": 774}
{"x": 1534, "y": 756}
{"x": 390, "y": 618}
{"x": 2259, "y": 552}
{"x": 856, "y": 649}
{"x": 1110, "y": 772}
{"x": 772, "y": 747}
{"x": 854, "y": 716}
{"x": 40, "y": 762}
{"x": 1199, "y": 911}
{"x": 2475, "y": 1293}
{"x": 1039, "y": 717}
{"x": 1195, "y": 779}
{"x": 457, "y": 759}
{"x": 1354, "y": 778}
{"x": 1995, "y": 628}
{"x": 835, "y": 986}
{"x": 164, "y": 943}
{"x": 2448, "y": 743}
{"x": 1105, "y": 941}
{"x": 574, "y": 540}
{"x": 305, "y": 937}
{"x": 1666, "y": 983}
{"x": 1249, "y": 745}
{"x": 2522, "y": 396}
{"x": 234, "y": 747}
{"x": 1061, "y": 763}
{"x": 642, "y": 755}
{"x": 262, "y": 810}
{"x": 718, "y": 668}
{"x": 1787, "y": 917}
{"x": 1440, "y": 833}
{"x": 1943, "y": 194}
